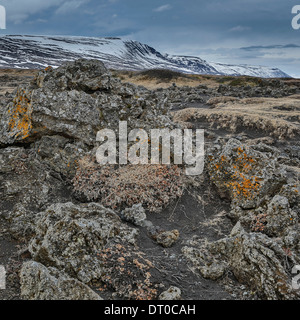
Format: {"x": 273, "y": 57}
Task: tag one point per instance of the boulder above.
{"x": 26, "y": 188}
{"x": 255, "y": 259}
{"x": 77, "y": 100}
{"x": 80, "y": 75}
{"x": 279, "y": 216}
{"x": 41, "y": 283}
{"x": 70, "y": 237}
{"x": 245, "y": 174}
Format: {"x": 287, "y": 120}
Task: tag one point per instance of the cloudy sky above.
{"x": 257, "y": 32}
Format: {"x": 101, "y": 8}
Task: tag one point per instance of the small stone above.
{"x": 136, "y": 215}
{"x": 173, "y": 293}
{"x": 167, "y": 238}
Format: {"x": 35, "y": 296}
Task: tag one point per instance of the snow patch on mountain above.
{"x": 36, "y": 52}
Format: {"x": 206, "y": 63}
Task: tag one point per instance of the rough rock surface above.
{"x": 72, "y": 248}
{"x": 264, "y": 244}
{"x": 136, "y": 215}
{"x": 254, "y": 258}
{"x": 279, "y": 216}
{"x": 27, "y": 187}
{"x": 173, "y": 293}
{"x": 70, "y": 237}
{"x": 245, "y": 173}
{"x": 76, "y": 101}
{"x": 166, "y": 238}
{"x": 41, "y": 283}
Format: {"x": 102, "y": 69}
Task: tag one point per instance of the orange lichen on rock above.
{"x": 49, "y": 68}
{"x": 20, "y": 115}
{"x": 236, "y": 174}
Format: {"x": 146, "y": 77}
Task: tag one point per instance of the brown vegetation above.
{"x": 152, "y": 185}
{"x": 279, "y": 117}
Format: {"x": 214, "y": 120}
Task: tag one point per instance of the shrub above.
{"x": 154, "y": 186}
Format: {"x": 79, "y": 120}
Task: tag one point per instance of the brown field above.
{"x": 279, "y": 117}
{"x": 11, "y": 78}
{"x": 154, "y": 79}
{"x": 151, "y": 79}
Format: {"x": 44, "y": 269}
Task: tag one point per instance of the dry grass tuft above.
{"x": 154, "y": 186}
{"x": 279, "y": 117}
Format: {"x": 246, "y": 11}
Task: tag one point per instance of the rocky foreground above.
{"x": 71, "y": 229}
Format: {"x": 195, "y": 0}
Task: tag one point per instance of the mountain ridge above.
{"x": 36, "y": 52}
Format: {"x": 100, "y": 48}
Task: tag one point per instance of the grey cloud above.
{"x": 162, "y": 8}
{"x": 20, "y": 10}
{"x": 270, "y": 47}
{"x": 70, "y": 6}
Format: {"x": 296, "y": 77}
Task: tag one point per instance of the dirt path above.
{"x": 194, "y": 217}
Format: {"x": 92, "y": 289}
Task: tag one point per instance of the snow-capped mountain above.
{"x": 35, "y": 52}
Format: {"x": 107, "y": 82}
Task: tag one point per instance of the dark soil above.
{"x": 198, "y": 214}
{"x": 187, "y": 215}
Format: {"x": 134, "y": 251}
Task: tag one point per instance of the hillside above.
{"x": 37, "y": 52}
